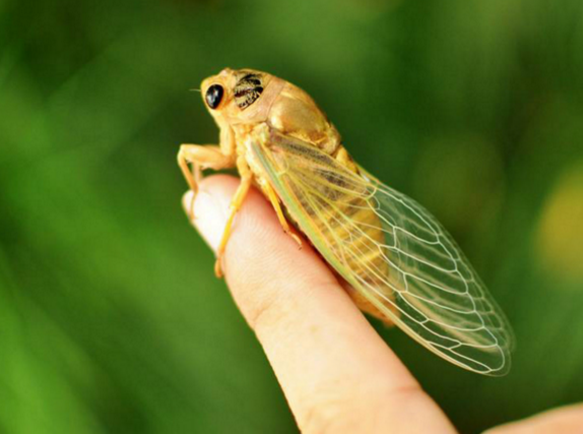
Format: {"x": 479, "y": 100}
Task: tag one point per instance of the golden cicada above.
{"x": 402, "y": 264}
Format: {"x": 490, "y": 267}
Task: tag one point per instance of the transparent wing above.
{"x": 393, "y": 251}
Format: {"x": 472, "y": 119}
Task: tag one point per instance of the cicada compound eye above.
{"x": 214, "y": 95}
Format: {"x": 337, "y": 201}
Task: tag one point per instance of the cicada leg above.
{"x": 272, "y": 196}
{"x": 236, "y": 203}
{"x": 201, "y": 158}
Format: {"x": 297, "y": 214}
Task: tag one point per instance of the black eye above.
{"x": 214, "y": 95}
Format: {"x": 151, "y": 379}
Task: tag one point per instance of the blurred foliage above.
{"x": 110, "y": 317}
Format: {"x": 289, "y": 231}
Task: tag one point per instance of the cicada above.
{"x": 401, "y": 264}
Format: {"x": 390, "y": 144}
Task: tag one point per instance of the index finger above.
{"x": 335, "y": 370}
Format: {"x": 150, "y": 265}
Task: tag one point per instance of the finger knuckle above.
{"x": 329, "y": 415}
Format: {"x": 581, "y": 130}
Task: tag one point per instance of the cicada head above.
{"x": 238, "y": 96}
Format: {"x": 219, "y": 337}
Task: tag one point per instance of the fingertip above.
{"x": 259, "y": 257}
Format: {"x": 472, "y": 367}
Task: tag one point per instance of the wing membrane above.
{"x": 417, "y": 277}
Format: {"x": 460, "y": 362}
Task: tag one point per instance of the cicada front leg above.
{"x": 200, "y": 158}
{"x": 236, "y": 203}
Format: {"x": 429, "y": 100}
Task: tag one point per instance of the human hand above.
{"x": 337, "y": 374}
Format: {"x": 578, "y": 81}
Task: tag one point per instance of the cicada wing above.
{"x": 393, "y": 252}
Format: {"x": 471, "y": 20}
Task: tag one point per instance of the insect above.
{"x": 402, "y": 264}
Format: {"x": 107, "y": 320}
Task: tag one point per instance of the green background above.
{"x": 111, "y": 319}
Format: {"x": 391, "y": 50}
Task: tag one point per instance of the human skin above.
{"x": 336, "y": 372}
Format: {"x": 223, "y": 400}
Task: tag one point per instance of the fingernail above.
{"x": 211, "y": 216}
